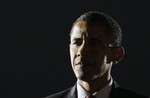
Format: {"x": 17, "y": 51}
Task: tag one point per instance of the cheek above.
{"x": 72, "y": 56}
{"x": 99, "y": 56}
{"x": 100, "y": 61}
{"x": 105, "y": 65}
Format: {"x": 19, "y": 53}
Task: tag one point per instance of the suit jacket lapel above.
{"x": 114, "y": 91}
{"x": 72, "y": 93}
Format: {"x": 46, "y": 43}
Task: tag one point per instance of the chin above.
{"x": 85, "y": 77}
{"x": 87, "y": 74}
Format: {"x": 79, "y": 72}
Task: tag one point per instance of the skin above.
{"x": 91, "y": 55}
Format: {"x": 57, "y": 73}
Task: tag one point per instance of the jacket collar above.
{"x": 73, "y": 92}
{"x": 115, "y": 89}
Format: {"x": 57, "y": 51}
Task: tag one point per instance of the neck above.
{"x": 95, "y": 84}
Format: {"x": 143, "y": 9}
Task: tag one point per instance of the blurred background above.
{"x": 34, "y": 44}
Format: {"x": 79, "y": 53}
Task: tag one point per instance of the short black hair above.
{"x": 113, "y": 31}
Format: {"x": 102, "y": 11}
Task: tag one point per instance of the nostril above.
{"x": 83, "y": 51}
{"x": 79, "y": 54}
{"x": 83, "y": 54}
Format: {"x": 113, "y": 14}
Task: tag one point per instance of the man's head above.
{"x": 95, "y": 44}
{"x": 113, "y": 30}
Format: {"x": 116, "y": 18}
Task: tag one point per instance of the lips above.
{"x": 78, "y": 63}
{"x": 82, "y": 62}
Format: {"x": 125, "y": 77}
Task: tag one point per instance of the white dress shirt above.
{"x": 104, "y": 92}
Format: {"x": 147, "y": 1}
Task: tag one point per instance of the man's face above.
{"x": 89, "y": 51}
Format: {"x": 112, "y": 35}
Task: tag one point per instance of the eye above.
{"x": 96, "y": 44}
{"x": 77, "y": 42}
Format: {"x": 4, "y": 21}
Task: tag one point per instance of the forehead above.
{"x": 90, "y": 30}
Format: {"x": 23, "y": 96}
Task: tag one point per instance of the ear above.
{"x": 118, "y": 54}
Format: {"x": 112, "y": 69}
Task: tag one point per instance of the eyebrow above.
{"x": 91, "y": 39}
{"x": 76, "y": 39}
{"x": 96, "y": 40}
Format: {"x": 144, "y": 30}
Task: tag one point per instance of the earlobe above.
{"x": 118, "y": 54}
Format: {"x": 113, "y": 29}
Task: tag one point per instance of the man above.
{"x": 95, "y": 45}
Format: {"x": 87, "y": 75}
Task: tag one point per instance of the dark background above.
{"x": 34, "y": 39}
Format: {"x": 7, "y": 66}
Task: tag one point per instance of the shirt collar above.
{"x": 104, "y": 92}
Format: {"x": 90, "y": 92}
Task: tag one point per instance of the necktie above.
{"x": 91, "y": 96}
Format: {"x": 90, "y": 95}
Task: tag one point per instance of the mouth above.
{"x": 83, "y": 64}
{"x": 79, "y": 63}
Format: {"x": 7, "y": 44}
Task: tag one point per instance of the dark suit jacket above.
{"x": 116, "y": 92}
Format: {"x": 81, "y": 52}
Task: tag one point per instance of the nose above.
{"x": 83, "y": 49}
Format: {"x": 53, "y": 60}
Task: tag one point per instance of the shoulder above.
{"x": 119, "y": 92}
{"x": 127, "y": 93}
{"x": 68, "y": 93}
{"x": 60, "y": 94}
